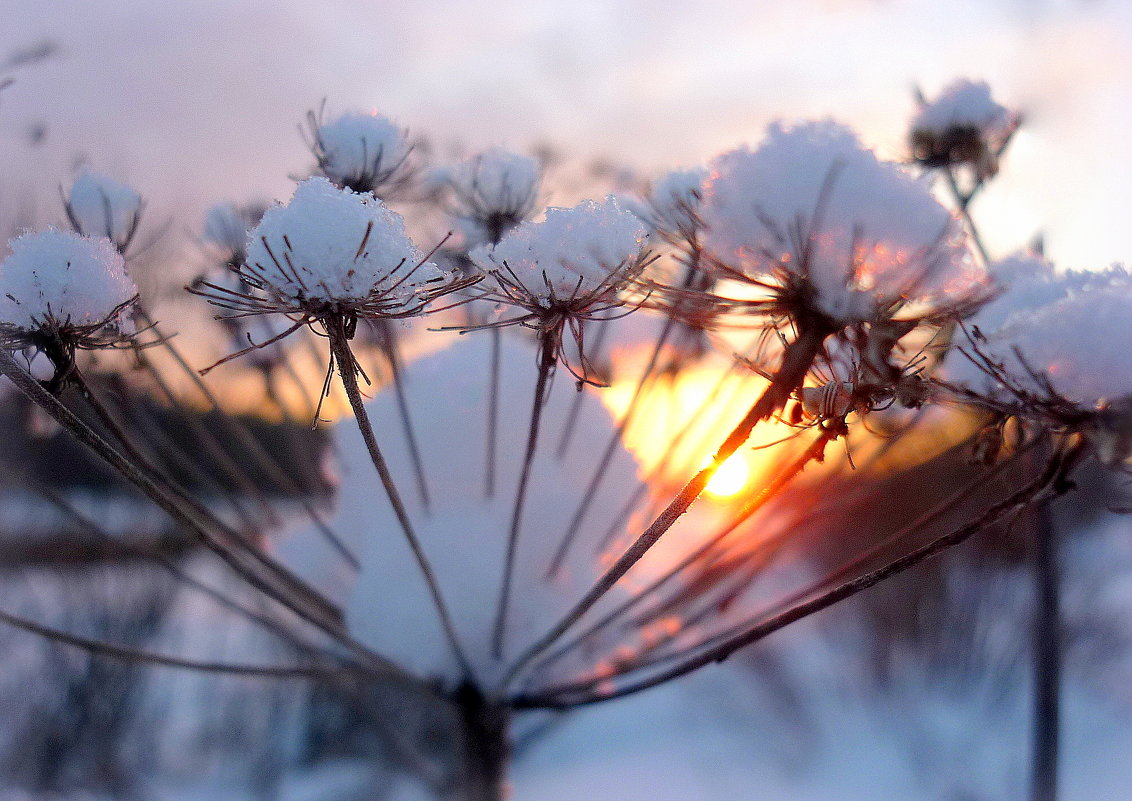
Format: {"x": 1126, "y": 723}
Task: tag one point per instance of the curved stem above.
{"x": 347, "y": 371}
{"x": 796, "y": 361}
{"x": 492, "y": 412}
{"x": 389, "y": 346}
{"x": 721, "y": 651}
{"x": 547, "y": 350}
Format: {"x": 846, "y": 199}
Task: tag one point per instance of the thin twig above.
{"x": 344, "y": 358}
{"x": 796, "y": 361}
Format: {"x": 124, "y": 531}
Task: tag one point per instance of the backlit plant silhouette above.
{"x": 859, "y": 298}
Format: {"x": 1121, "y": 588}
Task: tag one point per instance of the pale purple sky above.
{"x": 200, "y": 100}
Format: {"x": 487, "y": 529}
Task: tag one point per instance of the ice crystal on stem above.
{"x": 362, "y": 152}
{"x": 100, "y": 206}
{"x": 60, "y": 292}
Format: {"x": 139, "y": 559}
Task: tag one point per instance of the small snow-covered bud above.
{"x": 495, "y": 191}
{"x": 65, "y": 286}
{"x": 846, "y": 234}
{"x": 363, "y": 152}
{"x": 675, "y": 200}
{"x": 579, "y": 256}
{"x": 226, "y": 228}
{"x": 964, "y": 125}
{"x": 101, "y": 206}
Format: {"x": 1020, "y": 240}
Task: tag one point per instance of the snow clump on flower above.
{"x": 579, "y": 256}
{"x": 67, "y": 286}
{"x": 495, "y": 191}
{"x": 101, "y": 206}
{"x": 363, "y": 152}
{"x": 840, "y": 231}
{"x": 675, "y": 200}
{"x": 330, "y": 245}
{"x": 1052, "y": 333}
{"x": 226, "y": 227}
{"x": 964, "y": 125}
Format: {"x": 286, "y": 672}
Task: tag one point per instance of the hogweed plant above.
{"x": 842, "y": 292}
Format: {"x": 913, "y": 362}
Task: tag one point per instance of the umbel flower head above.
{"x": 332, "y": 256}
{"x": 575, "y": 265}
{"x": 1059, "y": 359}
{"x": 963, "y": 126}
{"x": 226, "y": 228}
{"x": 494, "y": 191}
{"x": 673, "y": 204}
{"x": 101, "y": 206}
{"x": 821, "y": 228}
{"x": 60, "y": 292}
{"x": 362, "y": 152}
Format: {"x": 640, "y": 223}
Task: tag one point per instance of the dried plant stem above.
{"x": 564, "y": 697}
{"x": 595, "y": 348}
{"x": 570, "y": 533}
{"x": 765, "y": 496}
{"x": 136, "y": 656}
{"x": 547, "y": 359}
{"x": 1047, "y": 638}
{"x": 344, "y": 358}
{"x": 211, "y": 444}
{"x": 276, "y": 583}
{"x": 248, "y": 443}
{"x": 393, "y": 357}
{"x": 661, "y": 467}
{"x": 963, "y": 202}
{"x": 796, "y": 361}
{"x": 492, "y": 412}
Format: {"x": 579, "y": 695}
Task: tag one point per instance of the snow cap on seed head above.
{"x": 812, "y": 206}
{"x": 495, "y": 190}
{"x": 1047, "y": 331}
{"x": 100, "y": 206}
{"x": 573, "y": 254}
{"x": 675, "y": 199}
{"x": 226, "y": 227}
{"x": 360, "y": 151}
{"x": 66, "y": 284}
{"x": 964, "y": 125}
{"x": 332, "y": 245}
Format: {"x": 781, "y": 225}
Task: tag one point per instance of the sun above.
{"x": 730, "y": 479}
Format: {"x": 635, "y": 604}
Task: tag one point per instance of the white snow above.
{"x": 464, "y": 534}
{"x": 226, "y": 228}
{"x": 876, "y": 233}
{"x": 964, "y": 103}
{"x": 675, "y": 199}
{"x": 572, "y": 253}
{"x": 330, "y": 244}
{"x": 101, "y": 206}
{"x": 58, "y": 278}
{"x": 358, "y": 148}
{"x": 492, "y": 185}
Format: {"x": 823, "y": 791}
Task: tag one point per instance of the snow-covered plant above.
{"x": 963, "y": 126}
{"x": 332, "y": 256}
{"x": 673, "y": 204}
{"x": 493, "y": 191}
{"x": 577, "y": 264}
{"x": 226, "y": 227}
{"x": 821, "y": 228}
{"x": 362, "y": 152}
{"x": 847, "y": 264}
{"x": 102, "y": 207}
{"x": 1048, "y": 353}
{"x": 60, "y": 292}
